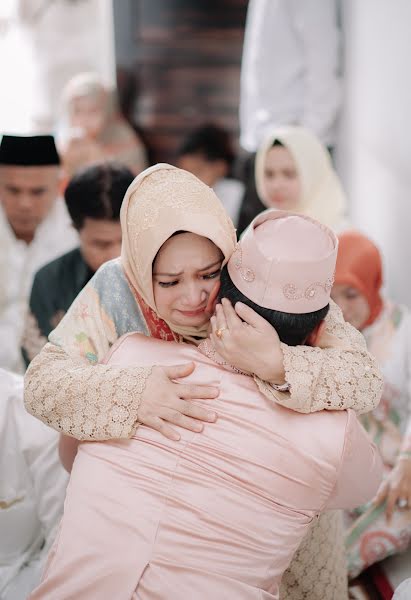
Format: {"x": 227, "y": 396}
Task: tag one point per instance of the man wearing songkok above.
{"x": 93, "y": 199}
{"x": 32, "y": 489}
{"x": 34, "y": 229}
{"x": 220, "y": 514}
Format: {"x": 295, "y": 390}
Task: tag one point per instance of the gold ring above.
{"x": 219, "y": 332}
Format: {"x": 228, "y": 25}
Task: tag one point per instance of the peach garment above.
{"x": 215, "y": 515}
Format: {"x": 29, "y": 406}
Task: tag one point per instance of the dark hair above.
{"x": 251, "y": 205}
{"x": 97, "y": 192}
{"x": 292, "y": 329}
{"x": 212, "y": 142}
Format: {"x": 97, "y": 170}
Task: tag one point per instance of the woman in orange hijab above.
{"x": 384, "y": 527}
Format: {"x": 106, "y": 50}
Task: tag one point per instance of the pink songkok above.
{"x": 286, "y": 262}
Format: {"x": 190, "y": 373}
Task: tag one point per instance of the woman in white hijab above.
{"x": 293, "y": 171}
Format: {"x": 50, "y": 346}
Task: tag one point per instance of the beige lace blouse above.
{"x": 66, "y": 388}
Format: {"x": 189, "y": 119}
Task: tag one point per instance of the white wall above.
{"x": 374, "y": 157}
{"x": 41, "y": 51}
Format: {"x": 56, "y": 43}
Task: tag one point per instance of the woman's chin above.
{"x": 186, "y": 320}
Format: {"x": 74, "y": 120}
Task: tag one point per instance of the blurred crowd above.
{"x": 60, "y": 199}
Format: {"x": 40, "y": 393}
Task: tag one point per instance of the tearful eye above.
{"x": 167, "y": 284}
{"x": 212, "y": 275}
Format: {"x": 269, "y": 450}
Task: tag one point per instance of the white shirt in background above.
{"x": 32, "y": 491}
{"x": 290, "y": 69}
{"x": 230, "y": 192}
{"x": 18, "y": 264}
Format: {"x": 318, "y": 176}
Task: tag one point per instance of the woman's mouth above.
{"x": 193, "y": 313}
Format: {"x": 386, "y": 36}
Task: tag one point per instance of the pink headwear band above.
{"x": 286, "y": 262}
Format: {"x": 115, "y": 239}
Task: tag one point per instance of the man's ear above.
{"x": 314, "y": 338}
{"x": 212, "y": 299}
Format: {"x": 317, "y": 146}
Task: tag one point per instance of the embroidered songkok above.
{"x": 286, "y": 262}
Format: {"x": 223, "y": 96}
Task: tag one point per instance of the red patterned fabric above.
{"x": 156, "y": 326}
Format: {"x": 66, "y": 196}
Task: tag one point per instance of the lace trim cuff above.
{"x": 85, "y": 402}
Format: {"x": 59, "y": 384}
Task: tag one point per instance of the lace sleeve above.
{"x": 66, "y": 387}
{"x": 330, "y": 378}
{"x": 86, "y": 402}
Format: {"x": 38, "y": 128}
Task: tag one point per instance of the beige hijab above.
{"x": 117, "y": 139}
{"x": 322, "y": 195}
{"x": 159, "y": 202}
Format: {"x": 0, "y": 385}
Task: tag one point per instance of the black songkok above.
{"x": 28, "y": 151}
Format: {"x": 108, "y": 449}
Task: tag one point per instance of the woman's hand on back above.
{"x": 247, "y": 341}
{"x": 164, "y": 401}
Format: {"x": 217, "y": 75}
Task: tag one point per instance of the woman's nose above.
{"x": 195, "y": 295}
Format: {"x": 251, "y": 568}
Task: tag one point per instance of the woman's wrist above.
{"x": 274, "y": 372}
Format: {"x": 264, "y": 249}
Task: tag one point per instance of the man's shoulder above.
{"x": 322, "y": 434}
{"x": 138, "y": 345}
{"x": 58, "y": 268}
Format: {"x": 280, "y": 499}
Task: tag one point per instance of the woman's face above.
{"x": 353, "y": 304}
{"x": 185, "y": 271}
{"x": 282, "y": 184}
{"x": 88, "y": 113}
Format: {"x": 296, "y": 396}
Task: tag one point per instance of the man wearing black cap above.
{"x": 34, "y": 229}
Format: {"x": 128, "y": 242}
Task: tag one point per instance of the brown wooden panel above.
{"x": 187, "y": 61}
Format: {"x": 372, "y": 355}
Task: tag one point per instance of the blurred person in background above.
{"x": 383, "y": 527}
{"x": 32, "y": 491}
{"x": 293, "y": 171}
{"x": 290, "y": 72}
{"x": 208, "y": 153}
{"x": 34, "y": 228}
{"x": 95, "y": 129}
{"x": 93, "y": 199}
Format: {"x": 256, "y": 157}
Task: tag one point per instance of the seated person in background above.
{"x": 293, "y": 171}
{"x": 220, "y": 514}
{"x": 96, "y": 130}
{"x": 34, "y": 229}
{"x": 208, "y": 153}
{"x": 382, "y": 528}
{"x": 93, "y": 198}
{"x": 32, "y": 490}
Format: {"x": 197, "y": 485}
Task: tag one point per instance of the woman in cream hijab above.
{"x": 95, "y": 129}
{"x": 293, "y": 171}
{"x": 69, "y": 388}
